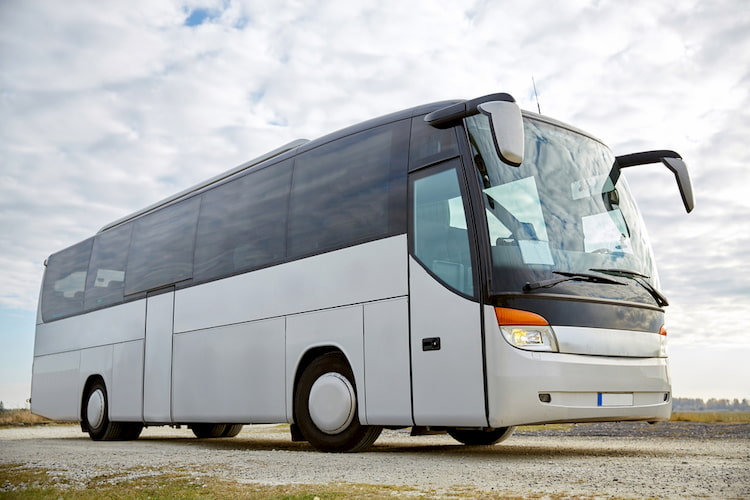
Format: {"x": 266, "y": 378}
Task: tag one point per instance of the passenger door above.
{"x": 445, "y": 316}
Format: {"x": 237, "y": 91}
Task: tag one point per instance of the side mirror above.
{"x": 673, "y": 162}
{"x": 679, "y": 168}
{"x": 507, "y": 129}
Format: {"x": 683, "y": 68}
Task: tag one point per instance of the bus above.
{"x": 461, "y": 266}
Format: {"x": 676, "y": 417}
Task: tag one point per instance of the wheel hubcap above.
{"x": 332, "y": 403}
{"x": 95, "y": 409}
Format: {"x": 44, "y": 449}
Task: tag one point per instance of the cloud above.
{"x": 106, "y": 110}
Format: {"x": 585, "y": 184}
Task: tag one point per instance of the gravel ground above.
{"x": 625, "y": 460}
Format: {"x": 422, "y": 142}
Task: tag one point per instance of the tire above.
{"x": 204, "y": 431}
{"x": 131, "y": 430}
{"x": 95, "y": 416}
{"x": 481, "y": 437}
{"x": 231, "y": 430}
{"x": 325, "y": 407}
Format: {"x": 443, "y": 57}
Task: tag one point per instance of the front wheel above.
{"x": 481, "y": 437}
{"x": 325, "y": 407}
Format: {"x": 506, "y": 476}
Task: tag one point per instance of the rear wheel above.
{"x": 231, "y": 430}
{"x": 325, "y": 407}
{"x": 131, "y": 430}
{"x": 95, "y": 416}
{"x": 481, "y": 437}
{"x": 204, "y": 431}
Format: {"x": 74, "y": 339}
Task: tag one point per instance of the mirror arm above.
{"x": 645, "y": 158}
{"x": 446, "y": 116}
{"x": 672, "y": 161}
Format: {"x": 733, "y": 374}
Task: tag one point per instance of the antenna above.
{"x": 538, "y": 108}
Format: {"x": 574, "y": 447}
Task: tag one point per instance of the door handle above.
{"x": 431, "y": 344}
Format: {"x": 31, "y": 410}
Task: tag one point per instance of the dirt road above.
{"x": 669, "y": 460}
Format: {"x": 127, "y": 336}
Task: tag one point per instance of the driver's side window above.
{"x": 440, "y": 235}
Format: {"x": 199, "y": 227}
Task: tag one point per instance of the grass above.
{"x": 20, "y": 482}
{"x": 712, "y": 417}
{"x": 12, "y": 418}
{"x": 20, "y": 417}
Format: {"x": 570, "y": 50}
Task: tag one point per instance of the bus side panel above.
{"x": 126, "y": 391}
{"x": 231, "y": 374}
{"x": 122, "y": 323}
{"x": 387, "y": 368}
{"x": 362, "y": 273}
{"x": 341, "y": 328}
{"x": 59, "y": 370}
{"x": 96, "y": 361}
{"x": 54, "y": 386}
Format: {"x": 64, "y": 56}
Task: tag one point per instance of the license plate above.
{"x": 614, "y": 399}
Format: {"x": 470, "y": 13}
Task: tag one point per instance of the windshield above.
{"x": 559, "y": 212}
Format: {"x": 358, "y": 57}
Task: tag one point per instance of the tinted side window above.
{"x": 65, "y": 281}
{"x": 162, "y": 248}
{"x": 242, "y": 224}
{"x": 429, "y": 144}
{"x": 349, "y": 190}
{"x": 106, "y": 276}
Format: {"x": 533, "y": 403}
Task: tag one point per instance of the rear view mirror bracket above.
{"x": 673, "y": 162}
{"x": 505, "y": 119}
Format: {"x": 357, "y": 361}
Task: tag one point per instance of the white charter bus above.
{"x": 459, "y": 266}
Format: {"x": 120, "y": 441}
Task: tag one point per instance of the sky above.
{"x": 107, "y": 107}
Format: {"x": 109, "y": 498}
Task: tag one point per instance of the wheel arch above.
{"x": 311, "y": 354}
{"x": 308, "y": 357}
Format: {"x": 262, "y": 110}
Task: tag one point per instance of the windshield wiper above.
{"x": 593, "y": 278}
{"x": 639, "y": 278}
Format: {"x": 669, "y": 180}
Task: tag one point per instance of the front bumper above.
{"x": 527, "y": 387}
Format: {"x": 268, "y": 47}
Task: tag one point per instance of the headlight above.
{"x": 531, "y": 338}
{"x": 526, "y": 330}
